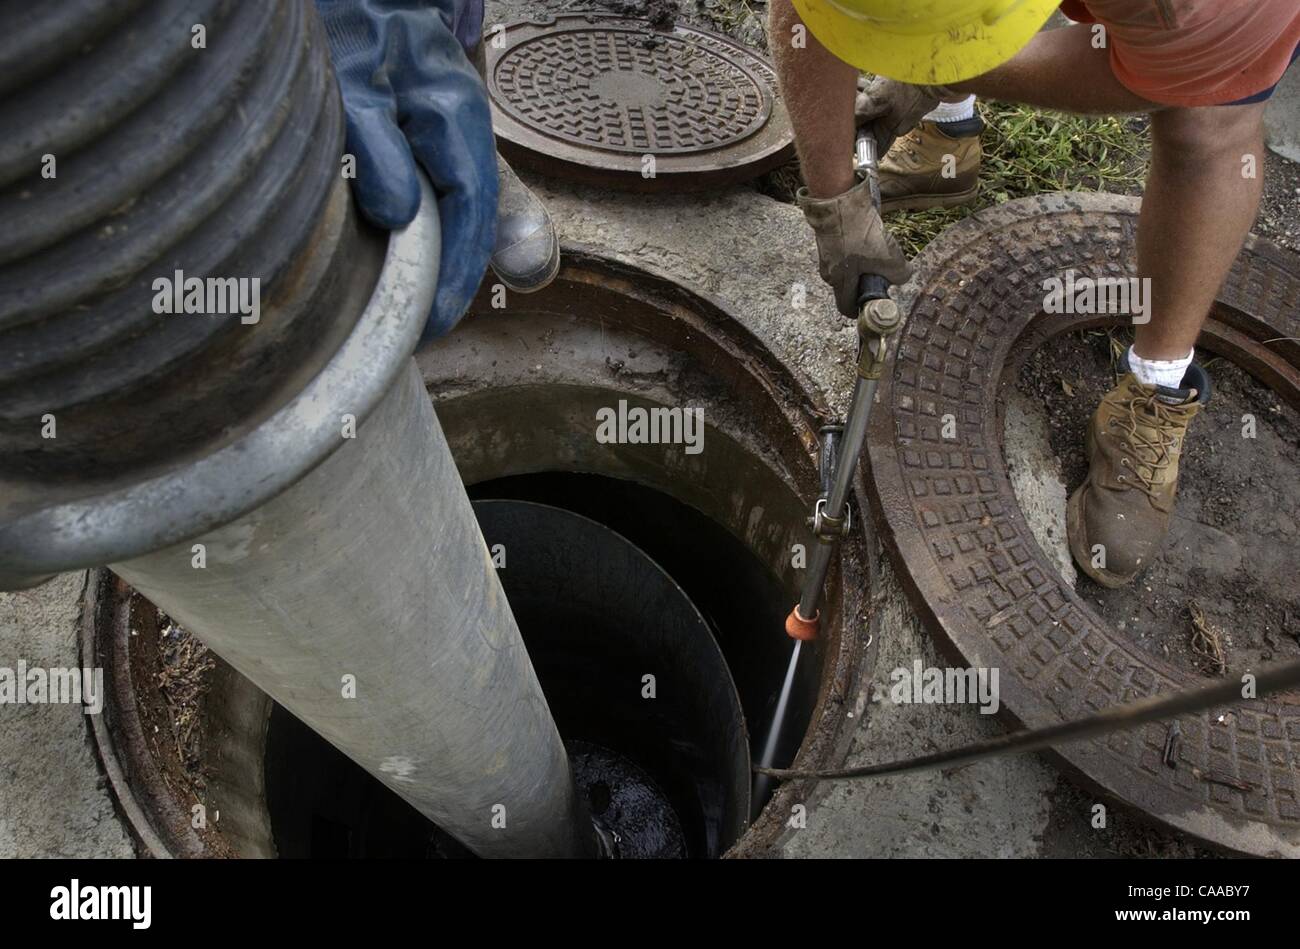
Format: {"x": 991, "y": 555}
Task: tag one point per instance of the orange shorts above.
{"x": 1195, "y": 52}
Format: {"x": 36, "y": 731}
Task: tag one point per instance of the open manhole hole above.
{"x": 978, "y": 349}
{"x": 619, "y": 557}
{"x": 612, "y": 101}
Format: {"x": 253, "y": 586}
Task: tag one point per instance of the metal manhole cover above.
{"x": 969, "y": 559}
{"x": 610, "y": 100}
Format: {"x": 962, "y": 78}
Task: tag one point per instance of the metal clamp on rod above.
{"x": 827, "y": 528}
{"x": 878, "y": 320}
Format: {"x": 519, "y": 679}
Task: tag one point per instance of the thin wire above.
{"x": 1227, "y": 692}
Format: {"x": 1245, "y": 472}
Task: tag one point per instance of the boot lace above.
{"x": 1150, "y": 448}
{"x": 906, "y": 149}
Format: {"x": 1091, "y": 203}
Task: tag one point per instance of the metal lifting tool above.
{"x": 878, "y": 321}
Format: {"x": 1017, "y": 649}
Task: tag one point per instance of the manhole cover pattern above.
{"x": 971, "y": 561}
{"x": 626, "y": 90}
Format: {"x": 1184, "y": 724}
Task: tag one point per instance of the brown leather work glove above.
{"x": 889, "y": 108}
{"x": 852, "y": 241}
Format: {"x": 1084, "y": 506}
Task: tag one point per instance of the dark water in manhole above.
{"x": 627, "y": 804}
{"x": 323, "y": 806}
{"x": 678, "y": 786}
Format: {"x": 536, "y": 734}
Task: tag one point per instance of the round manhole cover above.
{"x": 971, "y": 561}
{"x": 613, "y": 101}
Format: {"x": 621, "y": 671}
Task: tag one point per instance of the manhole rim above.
{"x": 166, "y": 832}
{"x": 898, "y": 513}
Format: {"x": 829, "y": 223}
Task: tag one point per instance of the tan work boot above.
{"x": 1117, "y": 519}
{"x": 914, "y": 173}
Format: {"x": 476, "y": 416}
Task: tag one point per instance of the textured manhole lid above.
{"x": 970, "y": 561}
{"x": 597, "y": 97}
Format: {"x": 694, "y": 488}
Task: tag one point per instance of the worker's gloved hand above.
{"x": 411, "y": 95}
{"x": 852, "y": 241}
{"x": 889, "y": 108}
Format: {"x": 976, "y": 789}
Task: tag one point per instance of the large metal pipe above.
{"x": 130, "y": 433}
{"x": 364, "y": 600}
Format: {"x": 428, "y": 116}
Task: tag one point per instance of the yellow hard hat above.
{"x": 931, "y": 42}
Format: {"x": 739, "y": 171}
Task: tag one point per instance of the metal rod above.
{"x": 877, "y": 320}
{"x": 866, "y": 160}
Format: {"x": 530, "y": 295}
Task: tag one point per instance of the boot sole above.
{"x": 919, "y": 202}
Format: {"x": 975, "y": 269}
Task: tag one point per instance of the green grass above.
{"x": 728, "y": 15}
{"x": 1028, "y": 151}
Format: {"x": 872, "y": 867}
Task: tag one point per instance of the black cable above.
{"x": 1227, "y": 692}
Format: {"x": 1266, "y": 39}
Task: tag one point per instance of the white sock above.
{"x": 1159, "y": 372}
{"x": 953, "y": 111}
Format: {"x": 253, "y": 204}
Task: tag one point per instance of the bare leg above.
{"x": 1198, "y": 205}
{"x": 1196, "y": 212}
{"x": 819, "y": 90}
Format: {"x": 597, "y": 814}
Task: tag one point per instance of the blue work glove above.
{"x": 411, "y": 95}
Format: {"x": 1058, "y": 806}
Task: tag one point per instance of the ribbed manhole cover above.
{"x": 610, "y": 100}
{"x": 972, "y": 564}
